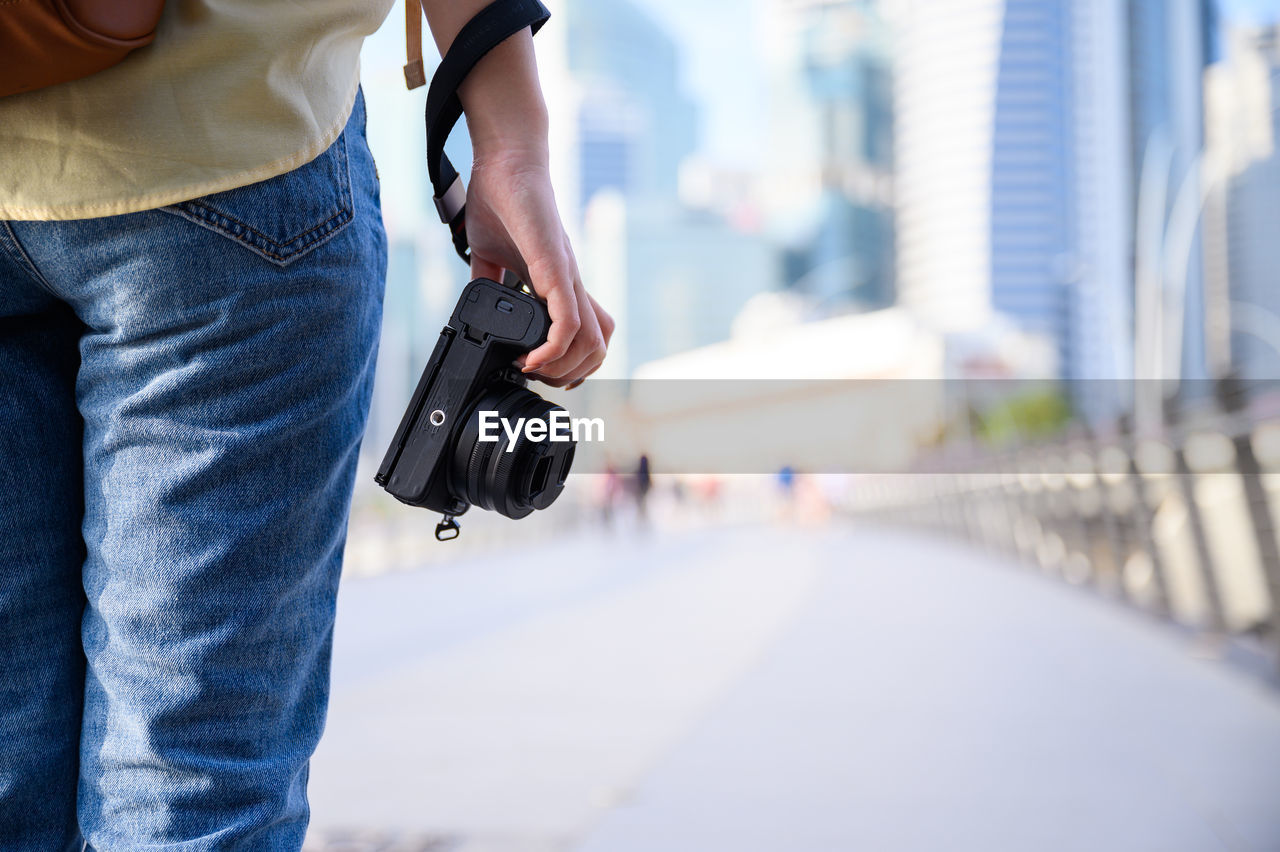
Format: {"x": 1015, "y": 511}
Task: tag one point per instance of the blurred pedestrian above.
{"x": 786, "y": 478}
{"x": 642, "y": 484}
{"x": 610, "y": 491}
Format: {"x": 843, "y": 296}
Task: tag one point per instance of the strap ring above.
{"x": 451, "y": 203}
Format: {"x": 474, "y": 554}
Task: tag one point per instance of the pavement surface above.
{"x": 768, "y": 690}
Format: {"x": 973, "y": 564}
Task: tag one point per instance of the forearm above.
{"x": 512, "y": 221}
{"x": 501, "y": 96}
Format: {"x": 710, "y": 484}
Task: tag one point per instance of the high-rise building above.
{"x": 1100, "y": 289}
{"x": 945, "y": 106}
{"x": 1022, "y": 130}
{"x": 622, "y": 127}
{"x": 1242, "y": 100}
{"x": 621, "y": 119}
{"x": 830, "y": 178}
{"x": 676, "y": 278}
{"x": 1033, "y": 264}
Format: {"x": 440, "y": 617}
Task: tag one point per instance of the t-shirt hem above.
{"x": 136, "y": 204}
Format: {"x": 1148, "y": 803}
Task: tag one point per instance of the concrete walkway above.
{"x": 753, "y": 691}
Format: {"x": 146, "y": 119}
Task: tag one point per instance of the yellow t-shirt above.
{"x": 231, "y": 92}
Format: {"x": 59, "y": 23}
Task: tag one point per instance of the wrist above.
{"x": 510, "y": 135}
{"x": 503, "y": 101}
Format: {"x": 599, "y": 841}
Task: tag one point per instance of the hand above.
{"x": 512, "y": 220}
{"x": 513, "y": 224}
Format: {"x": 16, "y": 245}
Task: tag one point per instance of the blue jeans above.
{"x": 182, "y": 396}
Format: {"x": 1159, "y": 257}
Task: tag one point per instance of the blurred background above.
{"x": 1021, "y": 590}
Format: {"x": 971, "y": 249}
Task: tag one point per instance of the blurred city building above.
{"x": 844, "y": 393}
{"x": 1029, "y": 135}
{"x": 984, "y": 178}
{"x": 1032, "y": 266}
{"x": 677, "y": 276}
{"x": 1096, "y": 337}
{"x": 1243, "y": 255}
{"x": 1170, "y": 43}
{"x": 860, "y": 391}
{"x": 674, "y": 275}
{"x": 1019, "y": 176}
{"x": 625, "y": 121}
{"x": 944, "y": 91}
{"x": 829, "y": 183}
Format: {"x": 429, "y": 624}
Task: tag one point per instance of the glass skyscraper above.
{"x": 1023, "y": 127}
{"x": 1170, "y": 43}
{"x": 1032, "y": 256}
{"x": 833, "y": 116}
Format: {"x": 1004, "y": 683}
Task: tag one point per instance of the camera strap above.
{"x": 490, "y": 27}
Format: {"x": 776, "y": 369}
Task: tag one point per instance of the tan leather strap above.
{"x": 415, "y": 74}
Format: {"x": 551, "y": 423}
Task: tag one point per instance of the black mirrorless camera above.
{"x": 439, "y": 458}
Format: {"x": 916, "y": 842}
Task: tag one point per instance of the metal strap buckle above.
{"x": 451, "y": 204}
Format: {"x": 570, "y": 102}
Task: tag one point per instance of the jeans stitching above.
{"x": 225, "y": 226}
{"x": 13, "y": 247}
{"x": 218, "y": 216}
{"x": 230, "y": 223}
{"x": 201, "y": 214}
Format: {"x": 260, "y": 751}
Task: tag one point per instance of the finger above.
{"x": 556, "y": 286}
{"x": 587, "y": 344}
{"x": 575, "y": 377}
{"x": 578, "y": 376}
{"x": 607, "y": 324}
{"x": 594, "y": 360}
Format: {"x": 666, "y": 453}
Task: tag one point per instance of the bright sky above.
{"x": 722, "y": 56}
{"x": 1261, "y": 11}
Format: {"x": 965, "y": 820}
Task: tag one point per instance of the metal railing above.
{"x": 1182, "y": 524}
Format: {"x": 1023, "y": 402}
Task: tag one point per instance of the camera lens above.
{"x": 515, "y": 474}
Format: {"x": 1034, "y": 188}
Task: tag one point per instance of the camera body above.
{"x": 438, "y": 459}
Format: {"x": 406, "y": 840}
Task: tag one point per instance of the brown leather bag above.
{"x": 43, "y": 42}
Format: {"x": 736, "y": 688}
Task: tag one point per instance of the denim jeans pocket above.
{"x": 284, "y": 217}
